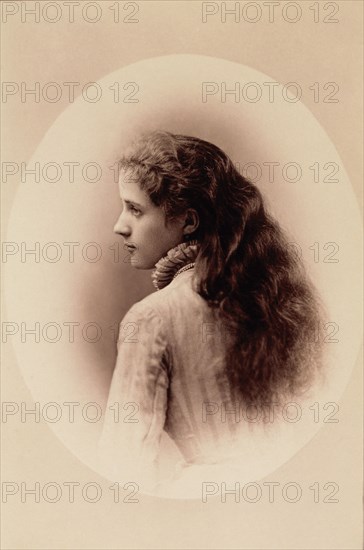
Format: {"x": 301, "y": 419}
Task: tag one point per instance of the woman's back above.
{"x": 199, "y": 395}
{"x": 171, "y": 369}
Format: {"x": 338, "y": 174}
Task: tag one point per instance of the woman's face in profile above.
{"x": 142, "y": 225}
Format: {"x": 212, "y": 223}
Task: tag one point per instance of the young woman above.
{"x": 234, "y": 325}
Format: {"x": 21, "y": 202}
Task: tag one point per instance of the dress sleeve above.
{"x": 137, "y": 403}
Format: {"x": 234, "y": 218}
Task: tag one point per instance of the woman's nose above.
{"x": 121, "y": 228}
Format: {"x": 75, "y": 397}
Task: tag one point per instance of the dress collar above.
{"x": 176, "y": 258}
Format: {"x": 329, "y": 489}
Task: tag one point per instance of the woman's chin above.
{"x": 139, "y": 264}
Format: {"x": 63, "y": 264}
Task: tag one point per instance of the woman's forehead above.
{"x": 130, "y": 189}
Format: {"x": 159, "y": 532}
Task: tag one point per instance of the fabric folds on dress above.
{"x": 137, "y": 403}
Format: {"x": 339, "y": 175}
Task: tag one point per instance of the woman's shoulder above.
{"x": 176, "y": 304}
{"x": 146, "y": 323}
{"x": 145, "y": 309}
{"x": 178, "y": 293}
{"x": 152, "y": 309}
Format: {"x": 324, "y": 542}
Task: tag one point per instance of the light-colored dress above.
{"x": 169, "y": 375}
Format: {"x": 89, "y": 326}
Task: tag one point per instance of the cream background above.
{"x": 76, "y": 53}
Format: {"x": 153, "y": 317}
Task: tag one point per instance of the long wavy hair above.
{"x": 246, "y": 269}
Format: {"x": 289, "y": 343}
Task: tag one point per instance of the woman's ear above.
{"x": 191, "y": 222}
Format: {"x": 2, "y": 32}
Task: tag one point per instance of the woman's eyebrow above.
{"x": 133, "y": 202}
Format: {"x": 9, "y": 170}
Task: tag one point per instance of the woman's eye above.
{"x": 135, "y": 210}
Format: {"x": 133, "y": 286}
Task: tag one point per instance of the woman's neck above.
{"x": 178, "y": 257}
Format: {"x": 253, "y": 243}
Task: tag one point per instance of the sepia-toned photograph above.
{"x": 240, "y": 330}
{"x": 182, "y": 275}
